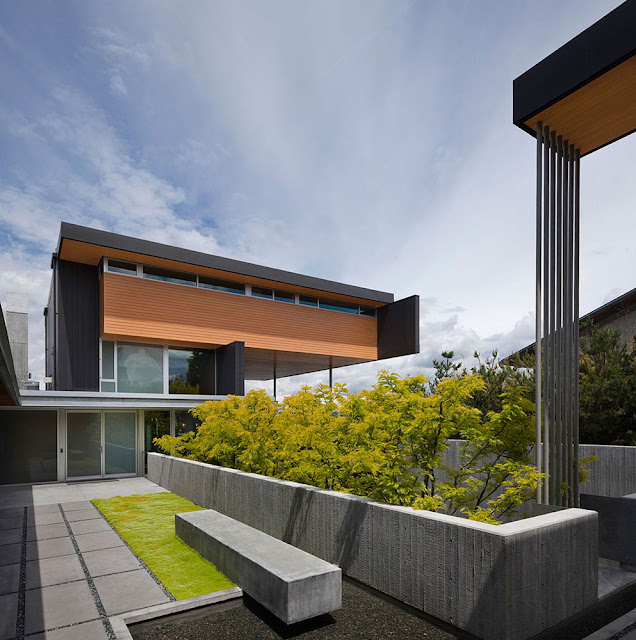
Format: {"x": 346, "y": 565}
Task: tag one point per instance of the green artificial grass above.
{"x": 146, "y": 523}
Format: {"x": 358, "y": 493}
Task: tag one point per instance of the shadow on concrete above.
{"x": 281, "y": 629}
{"x": 348, "y": 537}
{"x": 296, "y": 526}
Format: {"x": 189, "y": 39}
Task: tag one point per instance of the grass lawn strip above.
{"x": 146, "y": 523}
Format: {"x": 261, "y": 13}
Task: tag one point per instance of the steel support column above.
{"x": 557, "y": 335}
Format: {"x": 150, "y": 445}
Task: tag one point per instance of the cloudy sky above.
{"x": 363, "y": 141}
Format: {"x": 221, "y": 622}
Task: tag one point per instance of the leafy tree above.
{"x": 607, "y": 388}
{"x": 386, "y": 443}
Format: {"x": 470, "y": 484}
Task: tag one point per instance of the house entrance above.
{"x": 100, "y": 444}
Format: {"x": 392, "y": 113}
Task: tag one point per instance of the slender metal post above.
{"x": 274, "y": 376}
{"x": 330, "y": 372}
{"x": 558, "y": 437}
{"x": 567, "y": 327}
{"x": 547, "y": 338}
{"x": 549, "y": 455}
{"x": 577, "y": 166}
{"x": 537, "y": 348}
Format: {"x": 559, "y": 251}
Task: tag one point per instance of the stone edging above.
{"x": 120, "y": 622}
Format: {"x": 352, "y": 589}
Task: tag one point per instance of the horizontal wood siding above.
{"x": 147, "y": 310}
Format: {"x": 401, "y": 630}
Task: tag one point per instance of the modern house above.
{"x": 137, "y": 333}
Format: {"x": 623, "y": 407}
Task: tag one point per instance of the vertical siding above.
{"x": 77, "y": 336}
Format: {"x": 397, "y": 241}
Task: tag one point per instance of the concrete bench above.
{"x": 289, "y": 582}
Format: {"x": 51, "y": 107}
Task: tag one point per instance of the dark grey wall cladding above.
{"x": 230, "y": 369}
{"x": 399, "y": 328}
{"x": 207, "y": 373}
{"x": 77, "y": 339}
{"x": 494, "y": 582}
{"x": 28, "y": 446}
{"x": 49, "y": 331}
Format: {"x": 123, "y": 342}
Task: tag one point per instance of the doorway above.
{"x": 100, "y": 444}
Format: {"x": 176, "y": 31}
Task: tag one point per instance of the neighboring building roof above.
{"x": 9, "y": 393}
{"x": 71, "y": 234}
{"x": 604, "y": 314}
{"x": 585, "y": 90}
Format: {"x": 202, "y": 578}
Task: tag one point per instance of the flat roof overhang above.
{"x": 586, "y": 90}
{"x": 104, "y": 400}
{"x": 9, "y": 388}
{"x": 86, "y": 245}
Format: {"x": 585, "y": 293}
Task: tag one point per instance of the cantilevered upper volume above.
{"x": 586, "y": 90}
{"x": 113, "y": 294}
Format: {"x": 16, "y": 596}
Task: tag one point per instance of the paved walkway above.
{"x": 63, "y": 569}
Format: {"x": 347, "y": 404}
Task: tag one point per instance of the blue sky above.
{"x": 366, "y": 141}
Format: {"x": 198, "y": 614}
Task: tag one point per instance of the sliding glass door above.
{"x": 83, "y": 444}
{"x": 100, "y": 443}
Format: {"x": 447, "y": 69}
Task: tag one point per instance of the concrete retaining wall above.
{"x": 510, "y": 581}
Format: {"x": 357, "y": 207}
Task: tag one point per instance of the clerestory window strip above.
{"x": 184, "y": 278}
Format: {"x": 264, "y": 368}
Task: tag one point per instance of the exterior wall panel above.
{"x": 399, "y": 328}
{"x": 147, "y": 310}
{"x": 77, "y": 327}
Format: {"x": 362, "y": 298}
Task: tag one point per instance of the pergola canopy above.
{"x": 586, "y": 90}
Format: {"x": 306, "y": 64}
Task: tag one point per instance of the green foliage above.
{"x": 607, "y": 388}
{"x": 386, "y": 443}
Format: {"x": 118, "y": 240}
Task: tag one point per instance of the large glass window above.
{"x": 168, "y": 275}
{"x": 229, "y": 286}
{"x": 284, "y": 296}
{"x": 128, "y": 268}
{"x": 28, "y": 446}
{"x": 139, "y": 368}
{"x": 337, "y": 305}
{"x": 262, "y": 292}
{"x": 83, "y": 444}
{"x": 119, "y": 440}
{"x": 183, "y": 370}
{"x": 184, "y": 421}
{"x": 308, "y": 301}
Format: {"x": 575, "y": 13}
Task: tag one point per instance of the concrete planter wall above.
{"x": 510, "y": 581}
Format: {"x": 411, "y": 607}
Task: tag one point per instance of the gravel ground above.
{"x": 364, "y": 616}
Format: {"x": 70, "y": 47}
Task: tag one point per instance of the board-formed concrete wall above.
{"x": 613, "y": 473}
{"x": 510, "y": 581}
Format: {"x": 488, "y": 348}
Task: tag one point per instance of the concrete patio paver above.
{"x": 10, "y": 553}
{"x": 99, "y": 540}
{"x": 122, "y": 592}
{"x": 86, "y": 631}
{"x": 90, "y": 526}
{"x": 46, "y": 531}
{"x": 106, "y": 561}
{"x": 8, "y": 610}
{"x": 44, "y": 518}
{"x": 50, "y": 571}
{"x": 76, "y": 506}
{"x": 10, "y": 536}
{"x": 58, "y": 606}
{"x": 11, "y": 523}
{"x": 83, "y": 514}
{"x": 39, "y": 549}
{"x": 9, "y": 578}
